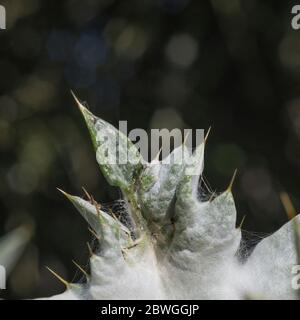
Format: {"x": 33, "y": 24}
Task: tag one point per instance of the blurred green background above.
{"x": 233, "y": 65}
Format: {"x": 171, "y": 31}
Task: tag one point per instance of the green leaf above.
{"x": 118, "y": 158}
{"x": 271, "y": 263}
{"x": 159, "y": 181}
{"x": 188, "y": 186}
{"x": 112, "y": 233}
{"x": 202, "y": 227}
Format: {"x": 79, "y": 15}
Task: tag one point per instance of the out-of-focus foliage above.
{"x": 234, "y": 65}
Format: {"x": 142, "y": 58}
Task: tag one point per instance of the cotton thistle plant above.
{"x": 170, "y": 244}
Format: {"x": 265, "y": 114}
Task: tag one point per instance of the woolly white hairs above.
{"x": 176, "y": 245}
{"x": 184, "y": 247}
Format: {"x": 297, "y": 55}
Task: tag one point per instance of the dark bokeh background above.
{"x": 233, "y": 65}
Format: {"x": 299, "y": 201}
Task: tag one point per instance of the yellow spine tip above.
{"x": 97, "y": 206}
{"x": 212, "y": 196}
{"x": 229, "y": 189}
{"x": 87, "y": 194}
{"x": 207, "y": 134}
{"x": 57, "y": 276}
{"x": 81, "y": 269}
{"x": 156, "y": 158}
{"x": 93, "y": 233}
{"x": 79, "y": 104}
{"x": 90, "y": 249}
{"x": 288, "y": 205}
{"x": 242, "y": 222}
{"x": 64, "y": 193}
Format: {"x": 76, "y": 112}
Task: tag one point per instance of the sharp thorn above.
{"x": 96, "y": 205}
{"x": 203, "y": 179}
{"x": 212, "y": 196}
{"x": 93, "y": 233}
{"x": 229, "y": 189}
{"x": 81, "y": 269}
{"x": 87, "y": 194}
{"x": 113, "y": 215}
{"x": 79, "y": 104}
{"x": 90, "y": 249}
{"x": 242, "y": 222}
{"x": 156, "y": 158}
{"x": 288, "y": 205}
{"x": 207, "y": 134}
{"x": 66, "y": 283}
{"x": 64, "y": 193}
